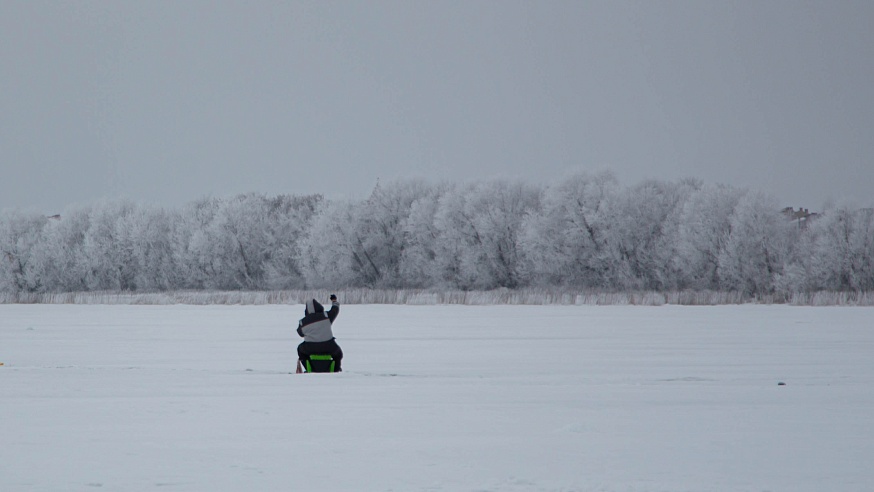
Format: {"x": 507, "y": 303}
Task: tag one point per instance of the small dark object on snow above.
{"x": 781, "y": 383}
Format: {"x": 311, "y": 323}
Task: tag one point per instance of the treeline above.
{"x": 586, "y": 232}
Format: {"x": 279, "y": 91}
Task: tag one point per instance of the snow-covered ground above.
{"x": 454, "y": 398}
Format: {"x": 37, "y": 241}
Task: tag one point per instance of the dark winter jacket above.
{"x": 315, "y": 326}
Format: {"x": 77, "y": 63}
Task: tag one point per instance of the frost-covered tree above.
{"x": 245, "y": 242}
{"x": 564, "y": 242}
{"x": 703, "y": 229}
{"x": 756, "y": 248}
{"x": 189, "y": 237}
{"x": 289, "y": 218}
{"x": 419, "y": 267}
{"x": 842, "y": 253}
{"x": 19, "y": 234}
{"x": 361, "y": 244}
{"x": 146, "y": 231}
{"x": 58, "y": 259}
{"x": 107, "y": 251}
{"x": 233, "y": 247}
{"x": 480, "y": 233}
{"x": 378, "y": 236}
{"x": 641, "y": 235}
{"x": 327, "y": 250}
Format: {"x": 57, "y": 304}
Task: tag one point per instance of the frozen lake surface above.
{"x": 438, "y": 398}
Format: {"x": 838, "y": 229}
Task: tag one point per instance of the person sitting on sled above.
{"x": 315, "y": 328}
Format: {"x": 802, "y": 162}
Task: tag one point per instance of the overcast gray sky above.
{"x": 167, "y": 101}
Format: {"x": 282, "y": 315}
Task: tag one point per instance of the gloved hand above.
{"x": 333, "y": 297}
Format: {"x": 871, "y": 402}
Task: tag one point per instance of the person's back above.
{"x": 315, "y": 326}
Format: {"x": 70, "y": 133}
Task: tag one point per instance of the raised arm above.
{"x": 335, "y": 308}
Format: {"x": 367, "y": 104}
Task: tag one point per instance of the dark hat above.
{"x": 313, "y": 306}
